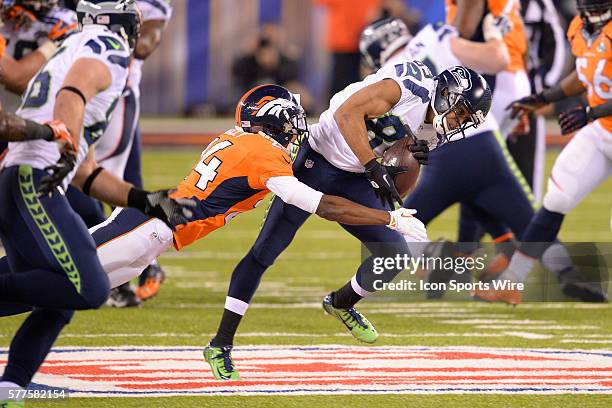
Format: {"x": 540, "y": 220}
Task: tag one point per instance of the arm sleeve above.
{"x": 294, "y": 192}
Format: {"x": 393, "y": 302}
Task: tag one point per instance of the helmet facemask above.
{"x": 461, "y": 114}
{"x": 595, "y": 15}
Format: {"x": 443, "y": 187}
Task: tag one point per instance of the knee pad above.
{"x": 556, "y": 200}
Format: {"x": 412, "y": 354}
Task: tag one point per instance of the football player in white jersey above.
{"x": 341, "y": 158}
{"x": 51, "y": 263}
{"x": 119, "y": 150}
{"x": 30, "y": 32}
{"x": 486, "y": 184}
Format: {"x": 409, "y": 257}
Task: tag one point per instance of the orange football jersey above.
{"x": 593, "y": 64}
{"x": 515, "y": 40}
{"x": 230, "y": 178}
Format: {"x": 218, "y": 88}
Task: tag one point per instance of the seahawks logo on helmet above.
{"x": 462, "y": 76}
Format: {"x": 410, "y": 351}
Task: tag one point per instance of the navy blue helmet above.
{"x": 466, "y": 94}
{"x": 595, "y": 14}
{"x": 120, "y": 16}
{"x": 381, "y": 39}
{"x": 273, "y": 110}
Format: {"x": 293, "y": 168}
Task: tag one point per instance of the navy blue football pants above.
{"x": 51, "y": 266}
{"x": 283, "y": 221}
{"x": 473, "y": 172}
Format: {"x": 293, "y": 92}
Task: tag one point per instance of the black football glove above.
{"x": 573, "y": 119}
{"x": 172, "y": 211}
{"x": 56, "y": 173}
{"x": 420, "y": 151}
{"x": 381, "y": 179}
{"x": 526, "y": 104}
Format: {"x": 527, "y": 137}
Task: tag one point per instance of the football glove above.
{"x": 158, "y": 204}
{"x": 62, "y": 136}
{"x": 403, "y": 221}
{"x": 573, "y": 119}
{"x": 60, "y": 31}
{"x": 526, "y": 104}
{"x": 381, "y": 179}
{"x": 420, "y": 151}
{"x": 56, "y": 173}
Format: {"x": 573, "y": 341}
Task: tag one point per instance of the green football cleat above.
{"x": 221, "y": 363}
{"x": 355, "y": 322}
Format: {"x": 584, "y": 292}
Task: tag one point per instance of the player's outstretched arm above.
{"x": 569, "y": 86}
{"x": 338, "y": 209}
{"x": 102, "y": 185}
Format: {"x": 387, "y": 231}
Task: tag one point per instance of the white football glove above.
{"x": 495, "y": 28}
{"x": 403, "y": 221}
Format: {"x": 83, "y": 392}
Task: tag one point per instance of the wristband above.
{"x": 90, "y": 179}
{"x": 47, "y": 49}
{"x": 371, "y": 165}
{"x": 137, "y": 198}
{"x": 599, "y": 111}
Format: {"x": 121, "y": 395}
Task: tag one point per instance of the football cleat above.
{"x": 123, "y": 296}
{"x": 221, "y": 362}
{"x": 354, "y": 321}
{"x": 149, "y": 282}
{"x": 574, "y": 285}
{"x": 510, "y": 296}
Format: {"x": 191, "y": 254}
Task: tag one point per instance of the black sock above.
{"x": 345, "y": 297}
{"x": 227, "y": 329}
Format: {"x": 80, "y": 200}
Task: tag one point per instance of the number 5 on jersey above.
{"x": 208, "y": 172}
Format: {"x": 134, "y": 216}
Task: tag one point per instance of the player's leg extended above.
{"x": 127, "y": 242}
{"x": 55, "y": 263}
{"x": 582, "y": 165}
{"x": 380, "y": 241}
{"x": 280, "y": 226}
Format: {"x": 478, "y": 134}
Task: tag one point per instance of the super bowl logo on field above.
{"x": 462, "y": 77}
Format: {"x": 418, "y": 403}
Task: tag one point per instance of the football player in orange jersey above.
{"x": 586, "y": 161}
{"x": 233, "y": 175}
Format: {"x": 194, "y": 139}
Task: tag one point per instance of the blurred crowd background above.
{"x": 213, "y": 50}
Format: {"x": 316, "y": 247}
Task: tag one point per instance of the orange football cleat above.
{"x": 510, "y": 296}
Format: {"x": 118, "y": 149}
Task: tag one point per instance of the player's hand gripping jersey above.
{"x": 233, "y": 175}
{"x": 94, "y": 42}
{"x": 417, "y": 86}
{"x": 593, "y": 64}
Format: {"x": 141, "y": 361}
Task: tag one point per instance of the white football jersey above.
{"x": 23, "y": 41}
{"x": 431, "y": 45}
{"x": 95, "y": 42}
{"x": 151, "y": 10}
{"x": 417, "y": 85}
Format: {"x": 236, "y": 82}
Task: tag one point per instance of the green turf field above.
{"x": 286, "y": 308}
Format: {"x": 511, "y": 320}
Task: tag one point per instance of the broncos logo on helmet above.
{"x": 273, "y": 110}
